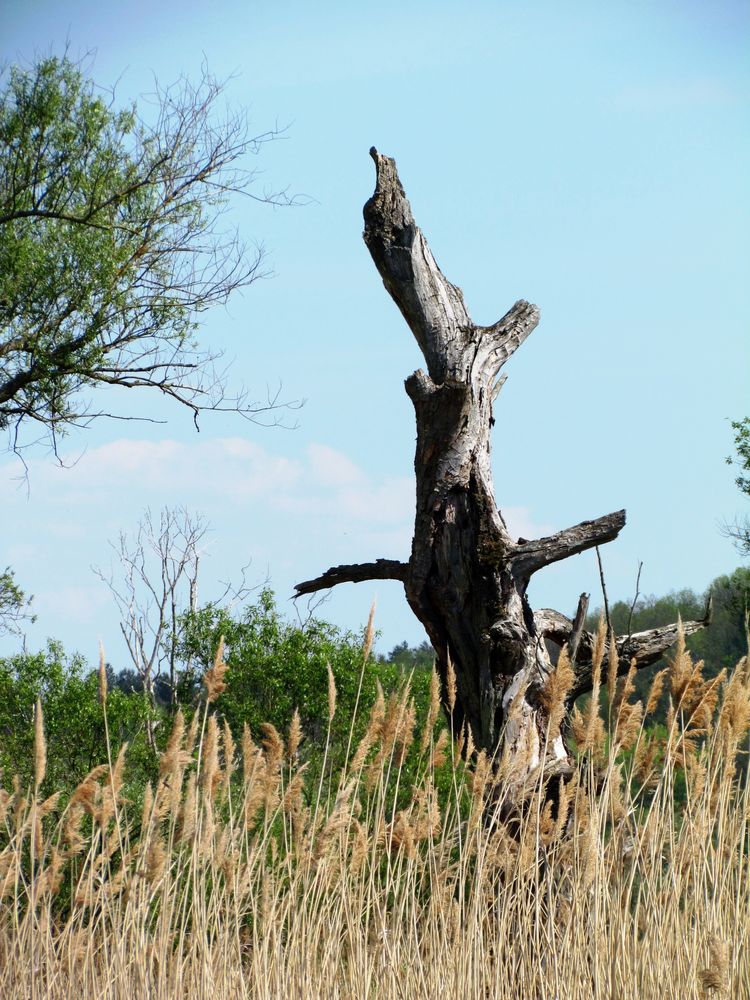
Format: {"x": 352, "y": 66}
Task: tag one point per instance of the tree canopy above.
{"x": 739, "y": 530}
{"x": 111, "y": 244}
{"x": 14, "y": 604}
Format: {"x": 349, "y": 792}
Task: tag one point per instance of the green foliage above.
{"x": 741, "y": 430}
{"x": 109, "y": 244}
{"x": 409, "y": 657}
{"x": 739, "y": 530}
{"x": 651, "y": 611}
{"x": 720, "y": 646}
{"x": 73, "y": 718}
{"x": 724, "y": 642}
{"x": 275, "y": 667}
{"x": 14, "y": 604}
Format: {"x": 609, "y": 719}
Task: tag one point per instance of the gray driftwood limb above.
{"x": 644, "y": 648}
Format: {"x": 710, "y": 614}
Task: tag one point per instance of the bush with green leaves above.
{"x": 74, "y": 721}
{"x": 277, "y": 666}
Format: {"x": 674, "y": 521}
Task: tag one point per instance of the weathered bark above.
{"x": 466, "y": 579}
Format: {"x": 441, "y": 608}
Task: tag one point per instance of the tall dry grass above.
{"x": 241, "y": 877}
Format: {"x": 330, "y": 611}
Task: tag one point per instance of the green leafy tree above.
{"x": 111, "y": 244}
{"x": 275, "y": 667}
{"x": 741, "y": 430}
{"x": 14, "y": 605}
{"x": 739, "y": 530}
{"x": 651, "y": 611}
{"x": 421, "y": 657}
{"x": 724, "y": 642}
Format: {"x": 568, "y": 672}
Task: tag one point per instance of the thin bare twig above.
{"x": 635, "y": 599}
{"x": 604, "y": 588}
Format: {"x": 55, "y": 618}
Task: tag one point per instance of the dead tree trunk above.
{"x": 466, "y": 579}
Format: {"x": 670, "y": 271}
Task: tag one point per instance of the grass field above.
{"x": 239, "y": 875}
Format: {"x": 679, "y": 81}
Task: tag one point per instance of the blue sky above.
{"x": 590, "y": 157}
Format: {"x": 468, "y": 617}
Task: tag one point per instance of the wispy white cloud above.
{"x": 217, "y": 473}
{"x": 232, "y": 467}
{"x": 291, "y": 516}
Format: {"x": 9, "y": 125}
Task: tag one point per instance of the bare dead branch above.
{"x": 644, "y": 648}
{"x": 157, "y": 581}
{"x": 554, "y": 625}
{"x": 506, "y": 336}
{"x": 381, "y": 569}
{"x": 530, "y": 556}
{"x": 635, "y": 598}
{"x": 604, "y": 589}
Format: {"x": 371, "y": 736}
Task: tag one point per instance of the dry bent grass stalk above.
{"x": 261, "y": 884}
